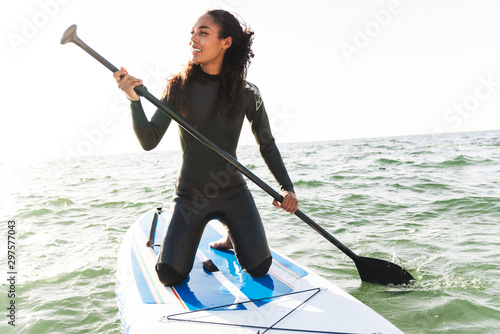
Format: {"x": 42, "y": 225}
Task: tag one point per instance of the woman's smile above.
{"x": 195, "y": 51}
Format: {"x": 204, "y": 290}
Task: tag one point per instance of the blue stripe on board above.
{"x": 293, "y": 267}
{"x": 253, "y": 288}
{"x": 142, "y": 285}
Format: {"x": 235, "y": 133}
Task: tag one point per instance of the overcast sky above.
{"x": 326, "y": 69}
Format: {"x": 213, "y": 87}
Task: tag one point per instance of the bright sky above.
{"x": 326, "y": 69}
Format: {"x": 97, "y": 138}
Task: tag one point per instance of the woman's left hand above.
{"x": 290, "y": 202}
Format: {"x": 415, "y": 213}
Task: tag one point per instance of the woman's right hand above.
{"x": 127, "y": 83}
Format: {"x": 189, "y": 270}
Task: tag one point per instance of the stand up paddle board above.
{"x": 219, "y": 297}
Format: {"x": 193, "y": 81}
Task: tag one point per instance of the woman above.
{"x": 212, "y": 95}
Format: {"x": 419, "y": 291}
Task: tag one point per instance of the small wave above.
{"x": 388, "y": 161}
{"x": 432, "y": 186}
{"x": 405, "y": 187}
{"x": 309, "y": 184}
{"x": 36, "y": 213}
{"x": 356, "y": 198}
{"x": 147, "y": 190}
{"x": 386, "y": 208}
{"x": 384, "y": 147}
{"x": 422, "y": 216}
{"x": 494, "y": 142}
{"x": 83, "y": 272}
{"x": 120, "y": 204}
{"x": 88, "y": 179}
{"x": 467, "y": 206}
{"x": 338, "y": 177}
{"x": 65, "y": 222}
{"x": 59, "y": 202}
{"x": 461, "y": 160}
{"x": 421, "y": 152}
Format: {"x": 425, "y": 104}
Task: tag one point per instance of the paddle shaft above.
{"x": 94, "y": 54}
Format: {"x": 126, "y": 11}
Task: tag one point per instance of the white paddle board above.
{"x": 289, "y": 299}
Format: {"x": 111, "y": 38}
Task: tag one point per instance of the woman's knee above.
{"x": 262, "y": 268}
{"x": 168, "y": 276}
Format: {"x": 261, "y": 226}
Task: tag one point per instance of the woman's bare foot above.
{"x": 223, "y": 243}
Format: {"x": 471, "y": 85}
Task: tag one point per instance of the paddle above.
{"x": 370, "y": 270}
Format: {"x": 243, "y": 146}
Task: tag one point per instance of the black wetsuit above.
{"x": 207, "y": 186}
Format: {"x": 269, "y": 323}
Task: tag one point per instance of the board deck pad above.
{"x": 202, "y": 289}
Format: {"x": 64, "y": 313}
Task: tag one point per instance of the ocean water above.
{"x": 429, "y": 203}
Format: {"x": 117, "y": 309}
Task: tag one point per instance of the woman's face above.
{"x": 207, "y": 49}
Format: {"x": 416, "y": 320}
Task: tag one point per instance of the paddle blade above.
{"x": 381, "y": 272}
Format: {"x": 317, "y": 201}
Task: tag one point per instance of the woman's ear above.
{"x": 228, "y": 41}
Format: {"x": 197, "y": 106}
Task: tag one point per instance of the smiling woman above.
{"x": 215, "y": 34}
{"x": 212, "y": 94}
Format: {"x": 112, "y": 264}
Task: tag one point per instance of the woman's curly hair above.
{"x": 234, "y": 69}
